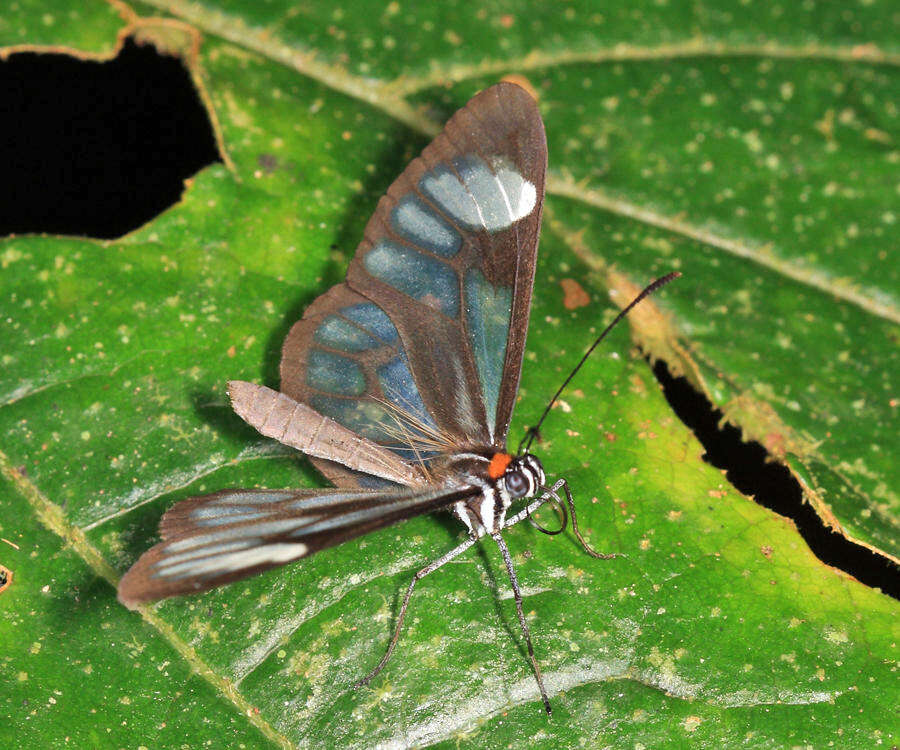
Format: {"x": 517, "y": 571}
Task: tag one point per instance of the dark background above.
{"x": 97, "y": 149}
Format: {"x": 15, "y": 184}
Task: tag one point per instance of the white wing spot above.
{"x": 254, "y": 530}
{"x": 216, "y": 549}
{"x": 445, "y": 188}
{"x": 210, "y": 518}
{"x": 481, "y": 197}
{"x": 522, "y": 194}
{"x": 265, "y": 554}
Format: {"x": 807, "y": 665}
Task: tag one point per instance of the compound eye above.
{"x": 516, "y": 483}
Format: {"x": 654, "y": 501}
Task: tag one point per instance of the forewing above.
{"x": 422, "y": 347}
{"x": 233, "y": 534}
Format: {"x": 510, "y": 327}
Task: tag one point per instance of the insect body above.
{"x": 399, "y": 383}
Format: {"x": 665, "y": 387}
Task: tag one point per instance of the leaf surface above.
{"x": 751, "y": 149}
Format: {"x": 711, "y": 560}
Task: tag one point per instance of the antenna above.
{"x": 532, "y": 432}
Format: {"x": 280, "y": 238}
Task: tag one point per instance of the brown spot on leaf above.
{"x": 574, "y": 295}
{"x": 691, "y": 723}
{"x": 268, "y": 162}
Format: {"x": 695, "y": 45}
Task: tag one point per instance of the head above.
{"x": 523, "y": 477}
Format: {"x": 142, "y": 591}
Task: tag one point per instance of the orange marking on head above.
{"x": 498, "y": 464}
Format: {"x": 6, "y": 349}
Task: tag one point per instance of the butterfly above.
{"x": 399, "y": 383}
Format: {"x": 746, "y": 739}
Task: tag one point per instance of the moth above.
{"x": 399, "y": 383}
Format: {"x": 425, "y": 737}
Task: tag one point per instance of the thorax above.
{"x": 496, "y": 478}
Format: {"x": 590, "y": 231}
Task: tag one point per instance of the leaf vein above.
{"x": 872, "y": 302}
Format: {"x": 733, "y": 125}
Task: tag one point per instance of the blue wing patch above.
{"x": 334, "y": 374}
{"x": 336, "y": 333}
{"x": 356, "y": 329}
{"x": 373, "y": 319}
{"x": 419, "y": 276}
{"x": 488, "y": 309}
{"x": 400, "y": 388}
{"x": 415, "y": 221}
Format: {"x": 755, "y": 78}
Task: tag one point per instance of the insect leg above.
{"x": 561, "y": 513}
{"x": 430, "y": 568}
{"x": 571, "y": 503}
{"x": 547, "y": 496}
{"x": 518, "y": 594}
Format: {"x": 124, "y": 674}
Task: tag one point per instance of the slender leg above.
{"x": 587, "y": 548}
{"x": 430, "y": 568}
{"x": 532, "y": 507}
{"x": 518, "y": 594}
{"x": 458, "y": 550}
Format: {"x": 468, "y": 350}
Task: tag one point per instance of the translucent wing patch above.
{"x": 229, "y": 535}
{"x": 415, "y": 274}
{"x": 416, "y": 222}
{"x": 332, "y": 373}
{"x": 488, "y": 309}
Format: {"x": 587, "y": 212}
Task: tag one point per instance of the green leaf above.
{"x": 753, "y": 147}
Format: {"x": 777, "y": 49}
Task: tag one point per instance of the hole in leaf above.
{"x": 97, "y": 148}
{"x": 771, "y": 484}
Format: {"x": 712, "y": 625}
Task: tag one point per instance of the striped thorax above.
{"x": 501, "y": 479}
